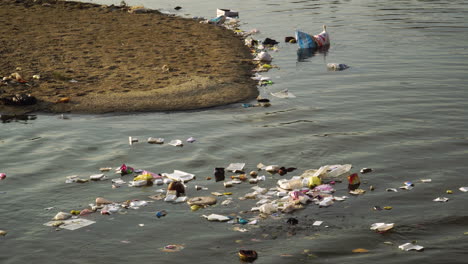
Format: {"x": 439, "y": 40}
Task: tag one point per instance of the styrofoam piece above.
{"x": 441, "y": 199}
{"x": 97, "y": 177}
{"x": 217, "y": 217}
{"x": 317, "y": 223}
{"x": 235, "y": 167}
{"x": 178, "y": 175}
{"x": 137, "y": 183}
{"x": 181, "y": 199}
{"x": 132, "y": 140}
{"x": 176, "y": 143}
{"x": 170, "y": 198}
{"x": 72, "y": 224}
{"x": 152, "y": 140}
{"x": 382, "y": 227}
{"x": 410, "y": 246}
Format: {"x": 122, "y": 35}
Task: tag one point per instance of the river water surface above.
{"x": 401, "y": 109}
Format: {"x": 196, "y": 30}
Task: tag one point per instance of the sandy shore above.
{"x": 97, "y": 59}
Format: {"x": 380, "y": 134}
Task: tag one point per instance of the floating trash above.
{"x": 410, "y": 246}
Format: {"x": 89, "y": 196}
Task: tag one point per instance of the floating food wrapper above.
{"x": 381, "y": 227}
{"x": 317, "y": 223}
{"x": 463, "y": 189}
{"x": 178, "y": 175}
{"x": 235, "y": 167}
{"x": 137, "y": 204}
{"x": 338, "y": 170}
{"x": 441, "y": 199}
{"x": 410, "y": 246}
{"x": 284, "y": 94}
{"x": 72, "y": 224}
{"x": 217, "y": 217}
{"x": 176, "y": 143}
{"x": 152, "y": 140}
{"x": 191, "y": 140}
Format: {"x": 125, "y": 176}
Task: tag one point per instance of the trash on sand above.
{"x": 202, "y": 200}
{"x": 172, "y": 248}
{"x": 217, "y": 20}
{"x": 161, "y": 213}
{"x": 441, "y": 199}
{"x": 226, "y": 12}
{"x": 366, "y": 170}
{"x": 2, "y": 176}
{"x": 71, "y": 224}
{"x": 178, "y": 175}
{"x": 217, "y": 217}
{"x": 236, "y": 167}
{"x": 191, "y": 140}
{"x": 410, "y": 246}
{"x": 381, "y": 227}
{"x": 337, "y": 66}
{"x": 152, "y": 140}
{"x": 284, "y": 94}
{"x": 132, "y": 140}
{"x": 62, "y": 216}
{"x": 176, "y": 143}
{"x": 264, "y": 57}
{"x": 317, "y": 223}
{"x": 463, "y": 189}
{"x": 247, "y": 255}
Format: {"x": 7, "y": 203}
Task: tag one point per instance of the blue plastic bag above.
{"x": 304, "y": 40}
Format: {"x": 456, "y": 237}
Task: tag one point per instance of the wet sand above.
{"x": 98, "y": 59}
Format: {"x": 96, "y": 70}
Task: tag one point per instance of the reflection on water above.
{"x": 305, "y": 54}
{"x": 17, "y": 118}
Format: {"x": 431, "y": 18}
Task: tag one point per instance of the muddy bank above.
{"x": 87, "y": 58}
